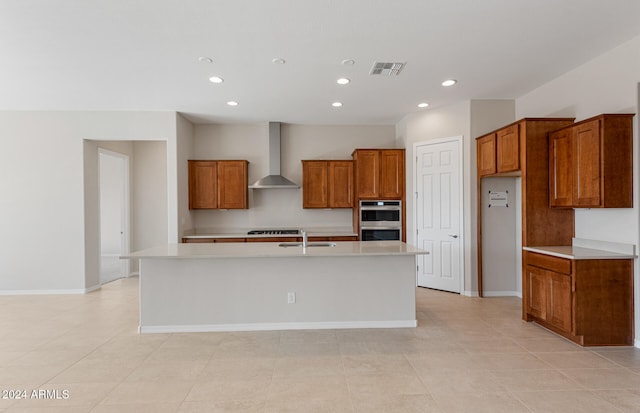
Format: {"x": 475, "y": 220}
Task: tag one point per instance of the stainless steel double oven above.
{"x": 381, "y": 220}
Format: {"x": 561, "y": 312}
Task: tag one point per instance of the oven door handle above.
{"x": 382, "y": 227}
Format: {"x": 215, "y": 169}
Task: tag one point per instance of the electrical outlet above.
{"x": 291, "y": 298}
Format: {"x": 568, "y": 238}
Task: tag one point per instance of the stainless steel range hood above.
{"x": 274, "y": 179}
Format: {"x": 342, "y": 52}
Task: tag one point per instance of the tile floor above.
{"x": 467, "y": 355}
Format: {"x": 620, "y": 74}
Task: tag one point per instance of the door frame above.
{"x": 460, "y": 140}
{"x": 125, "y": 213}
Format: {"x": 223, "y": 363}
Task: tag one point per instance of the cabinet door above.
{"x": 537, "y": 304}
{"x": 586, "y": 164}
{"x": 315, "y": 182}
{"x": 560, "y": 170}
{"x": 368, "y": 173}
{"x": 203, "y": 178}
{"x": 486, "y": 155}
{"x": 560, "y": 300}
{"x": 341, "y": 184}
{"x": 232, "y": 184}
{"x": 391, "y": 173}
{"x": 508, "y": 149}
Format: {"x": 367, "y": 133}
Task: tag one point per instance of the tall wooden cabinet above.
{"x": 327, "y": 184}
{"x": 591, "y": 163}
{"x": 521, "y": 149}
{"x": 379, "y": 174}
{"x": 218, "y": 184}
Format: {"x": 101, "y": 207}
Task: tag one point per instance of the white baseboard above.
{"x": 637, "y": 343}
{"x": 470, "y": 294}
{"x": 133, "y": 274}
{"x": 201, "y": 328}
{"x": 51, "y": 292}
{"x": 502, "y": 294}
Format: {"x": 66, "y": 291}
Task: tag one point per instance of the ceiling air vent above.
{"x": 387, "y": 68}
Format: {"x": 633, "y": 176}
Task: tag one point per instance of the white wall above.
{"x": 467, "y": 119}
{"x": 607, "y": 84}
{"x": 500, "y": 272}
{"x": 49, "y": 207}
{"x": 150, "y": 225}
{"x": 281, "y": 207}
{"x": 184, "y": 152}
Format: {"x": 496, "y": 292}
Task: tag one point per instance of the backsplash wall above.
{"x": 281, "y": 207}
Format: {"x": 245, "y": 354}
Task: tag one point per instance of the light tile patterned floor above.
{"x": 467, "y": 355}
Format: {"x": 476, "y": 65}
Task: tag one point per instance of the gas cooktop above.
{"x": 273, "y": 232}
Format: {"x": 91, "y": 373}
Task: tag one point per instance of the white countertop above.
{"x": 578, "y": 253}
{"x": 242, "y": 232}
{"x": 271, "y": 249}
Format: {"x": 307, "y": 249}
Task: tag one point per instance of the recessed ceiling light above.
{"x": 232, "y": 103}
{"x": 278, "y": 61}
{"x": 216, "y": 79}
{"x": 343, "y": 81}
{"x": 336, "y": 104}
{"x": 449, "y": 82}
{"x": 205, "y": 59}
{"x": 423, "y": 105}
{"x": 348, "y": 62}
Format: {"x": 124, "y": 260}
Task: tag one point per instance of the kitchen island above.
{"x": 265, "y": 286}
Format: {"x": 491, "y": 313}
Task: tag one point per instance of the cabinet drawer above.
{"x": 198, "y": 240}
{"x": 561, "y": 265}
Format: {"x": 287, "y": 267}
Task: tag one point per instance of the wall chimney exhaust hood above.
{"x": 274, "y": 179}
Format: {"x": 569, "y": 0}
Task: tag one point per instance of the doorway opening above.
{"x": 114, "y": 208}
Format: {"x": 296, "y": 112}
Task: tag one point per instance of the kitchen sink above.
{"x": 310, "y": 244}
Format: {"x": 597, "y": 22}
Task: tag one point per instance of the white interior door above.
{"x": 438, "y": 214}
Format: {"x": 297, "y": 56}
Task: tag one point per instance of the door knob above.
{"x": 453, "y": 236}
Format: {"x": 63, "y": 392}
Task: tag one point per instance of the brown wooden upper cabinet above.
{"x": 508, "y": 149}
{"x": 327, "y": 184}
{"x": 591, "y": 163}
{"x": 499, "y": 152}
{"x": 379, "y": 173}
{"x": 218, "y": 184}
{"x": 486, "y": 155}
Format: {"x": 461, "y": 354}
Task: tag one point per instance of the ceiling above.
{"x": 144, "y": 55}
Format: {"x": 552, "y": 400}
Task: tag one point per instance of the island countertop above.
{"x": 272, "y": 249}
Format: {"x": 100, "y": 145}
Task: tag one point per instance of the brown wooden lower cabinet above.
{"x": 587, "y": 301}
{"x": 269, "y": 239}
{"x": 209, "y": 240}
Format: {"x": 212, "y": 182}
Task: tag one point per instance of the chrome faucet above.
{"x": 305, "y": 239}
